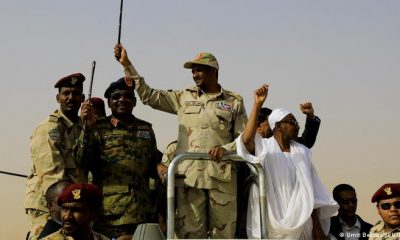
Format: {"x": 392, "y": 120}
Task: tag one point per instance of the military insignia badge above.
{"x": 128, "y": 81}
{"x": 76, "y": 193}
{"x": 225, "y": 106}
{"x": 114, "y": 121}
{"x": 388, "y": 191}
{"x": 55, "y": 135}
{"x": 74, "y": 80}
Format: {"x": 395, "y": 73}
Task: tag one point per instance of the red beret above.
{"x": 82, "y": 192}
{"x": 73, "y": 80}
{"x": 388, "y": 190}
{"x": 97, "y": 102}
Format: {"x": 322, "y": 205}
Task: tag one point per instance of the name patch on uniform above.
{"x": 144, "y": 134}
{"x": 55, "y": 135}
{"x": 193, "y": 103}
{"x": 225, "y": 106}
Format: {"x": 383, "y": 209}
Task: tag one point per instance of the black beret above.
{"x": 82, "y": 192}
{"x": 73, "y": 80}
{"x": 387, "y": 191}
{"x": 122, "y": 83}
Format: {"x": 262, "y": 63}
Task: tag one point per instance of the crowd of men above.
{"x": 91, "y": 173}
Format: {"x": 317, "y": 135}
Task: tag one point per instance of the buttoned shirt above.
{"x": 205, "y": 121}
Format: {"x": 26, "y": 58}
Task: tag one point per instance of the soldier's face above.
{"x": 348, "y": 203}
{"x": 389, "y": 212}
{"x": 122, "y": 102}
{"x": 70, "y": 100}
{"x": 203, "y": 76}
{"x": 76, "y": 218}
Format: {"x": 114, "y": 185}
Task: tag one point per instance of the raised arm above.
{"x": 312, "y": 125}
{"x": 260, "y": 95}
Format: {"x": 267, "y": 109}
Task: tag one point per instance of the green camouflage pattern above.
{"x": 59, "y": 235}
{"x": 122, "y": 161}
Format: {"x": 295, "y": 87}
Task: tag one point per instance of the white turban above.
{"x": 276, "y": 116}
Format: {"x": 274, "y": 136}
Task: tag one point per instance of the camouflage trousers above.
{"x": 37, "y": 219}
{"x": 203, "y": 213}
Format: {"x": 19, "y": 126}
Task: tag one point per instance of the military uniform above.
{"x": 378, "y": 232}
{"x": 59, "y": 235}
{"x": 205, "y": 121}
{"x": 124, "y": 157}
{"x": 52, "y": 145}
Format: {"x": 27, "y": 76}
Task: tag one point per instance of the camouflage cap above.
{"x": 122, "y": 83}
{"x": 387, "y": 191}
{"x": 73, "y": 80}
{"x": 82, "y": 192}
{"x": 203, "y": 58}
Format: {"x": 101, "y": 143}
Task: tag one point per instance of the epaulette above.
{"x": 235, "y": 95}
{"x": 53, "y": 118}
{"x": 140, "y": 121}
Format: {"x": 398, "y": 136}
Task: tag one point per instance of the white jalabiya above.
{"x": 293, "y": 191}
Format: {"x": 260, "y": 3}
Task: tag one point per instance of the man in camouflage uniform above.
{"x": 80, "y": 204}
{"x": 124, "y": 151}
{"x": 210, "y": 118}
{"x": 51, "y": 145}
{"x": 387, "y": 200}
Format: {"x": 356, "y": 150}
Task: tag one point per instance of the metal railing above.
{"x": 204, "y": 156}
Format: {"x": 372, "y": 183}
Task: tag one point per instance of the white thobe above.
{"x": 293, "y": 191}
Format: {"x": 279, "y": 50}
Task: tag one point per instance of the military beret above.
{"x": 203, "y": 58}
{"x": 97, "y": 102}
{"x": 121, "y": 83}
{"x": 82, "y": 192}
{"x": 73, "y": 80}
{"x": 388, "y": 190}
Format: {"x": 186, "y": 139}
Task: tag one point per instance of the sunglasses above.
{"x": 291, "y": 122}
{"x": 127, "y": 95}
{"x": 347, "y": 201}
{"x": 387, "y": 206}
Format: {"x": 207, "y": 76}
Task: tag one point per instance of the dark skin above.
{"x": 348, "y": 206}
{"x": 76, "y": 218}
{"x": 70, "y": 100}
{"x": 205, "y": 78}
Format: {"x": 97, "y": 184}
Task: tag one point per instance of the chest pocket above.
{"x": 224, "y": 120}
{"x": 191, "y": 115}
{"x": 114, "y": 146}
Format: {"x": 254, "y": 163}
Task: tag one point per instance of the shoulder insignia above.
{"x": 55, "y": 135}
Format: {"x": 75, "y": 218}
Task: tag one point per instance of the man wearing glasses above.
{"x": 123, "y": 152}
{"x": 347, "y": 224}
{"x": 387, "y": 200}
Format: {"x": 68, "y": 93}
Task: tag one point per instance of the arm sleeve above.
{"x": 239, "y": 124}
{"x": 310, "y": 132}
{"x": 167, "y": 101}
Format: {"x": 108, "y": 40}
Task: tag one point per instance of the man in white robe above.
{"x": 299, "y": 206}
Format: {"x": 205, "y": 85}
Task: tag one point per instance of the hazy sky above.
{"x": 343, "y": 56}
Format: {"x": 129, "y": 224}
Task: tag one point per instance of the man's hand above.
{"x": 307, "y": 109}
{"x": 260, "y": 95}
{"x": 216, "y": 153}
{"x": 162, "y": 171}
{"x": 87, "y": 114}
{"x": 121, "y": 55}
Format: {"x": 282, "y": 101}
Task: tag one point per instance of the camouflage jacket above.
{"x": 122, "y": 159}
{"x": 204, "y": 122}
{"x": 378, "y": 232}
{"x": 51, "y": 145}
{"x": 59, "y": 235}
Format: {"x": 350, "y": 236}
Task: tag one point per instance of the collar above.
{"x": 67, "y": 121}
{"x": 201, "y": 92}
{"x": 347, "y": 227}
